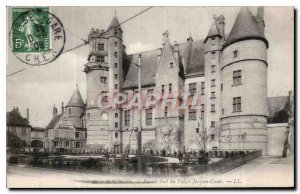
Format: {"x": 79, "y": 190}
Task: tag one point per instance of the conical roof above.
{"x": 76, "y": 99}
{"x": 115, "y": 23}
{"x": 244, "y": 27}
{"x": 214, "y": 31}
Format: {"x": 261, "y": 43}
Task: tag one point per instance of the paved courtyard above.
{"x": 265, "y": 171}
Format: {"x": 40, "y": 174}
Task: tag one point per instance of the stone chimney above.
{"x": 27, "y": 114}
{"x": 159, "y": 52}
{"x": 221, "y": 24}
{"x": 62, "y": 107}
{"x": 260, "y": 19}
{"x": 176, "y": 51}
{"x": 54, "y": 111}
{"x": 165, "y": 37}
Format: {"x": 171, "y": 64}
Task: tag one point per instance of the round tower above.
{"x": 244, "y": 85}
{"x": 75, "y": 108}
{"x": 103, "y": 75}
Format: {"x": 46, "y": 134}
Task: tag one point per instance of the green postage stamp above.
{"x": 31, "y": 30}
{"x": 37, "y": 36}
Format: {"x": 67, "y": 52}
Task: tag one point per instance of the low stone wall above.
{"x": 276, "y": 138}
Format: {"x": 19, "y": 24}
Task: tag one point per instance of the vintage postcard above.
{"x": 150, "y": 97}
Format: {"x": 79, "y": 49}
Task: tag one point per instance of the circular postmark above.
{"x": 37, "y": 37}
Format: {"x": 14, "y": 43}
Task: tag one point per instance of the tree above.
{"x": 242, "y": 138}
{"x": 202, "y": 137}
{"x": 169, "y": 137}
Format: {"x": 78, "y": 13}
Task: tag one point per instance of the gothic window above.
{"x": 67, "y": 143}
{"x": 171, "y": 65}
{"x": 237, "y": 77}
{"x": 192, "y": 113}
{"x": 202, "y": 88}
{"x": 213, "y": 108}
{"x": 149, "y": 116}
{"x": 237, "y": 104}
{"x": 116, "y": 65}
{"x": 116, "y": 54}
{"x": 116, "y": 44}
{"x": 213, "y": 68}
{"x": 116, "y": 124}
{"x": 77, "y": 144}
{"x": 100, "y": 47}
{"x": 116, "y": 115}
{"x": 192, "y": 89}
{"x": 102, "y": 59}
{"x": 235, "y": 54}
{"x": 116, "y": 32}
{"x": 103, "y": 80}
{"x": 213, "y": 94}
{"x": 212, "y": 124}
{"x": 127, "y": 117}
{"x": 213, "y": 82}
{"x": 166, "y": 111}
{"x": 116, "y": 135}
{"x": 213, "y": 55}
{"x": 116, "y": 76}
{"x": 170, "y": 88}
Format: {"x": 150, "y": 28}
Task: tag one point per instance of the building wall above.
{"x": 17, "y": 133}
{"x": 252, "y": 90}
{"x": 276, "y": 138}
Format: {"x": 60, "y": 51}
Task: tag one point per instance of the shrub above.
{"x": 13, "y": 160}
{"x": 227, "y": 155}
{"x": 203, "y": 160}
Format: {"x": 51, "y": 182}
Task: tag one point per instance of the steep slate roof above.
{"x": 276, "y": 104}
{"x": 148, "y": 71}
{"x": 114, "y": 23}
{"x": 191, "y": 53}
{"x": 76, "y": 99}
{"x": 15, "y": 119}
{"x": 214, "y": 31}
{"x": 54, "y": 121}
{"x": 245, "y": 26}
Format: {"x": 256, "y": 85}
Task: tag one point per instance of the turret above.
{"x": 244, "y": 79}
{"x": 75, "y": 108}
{"x": 54, "y": 111}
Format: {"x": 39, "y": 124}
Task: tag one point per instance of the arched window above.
{"x": 104, "y": 116}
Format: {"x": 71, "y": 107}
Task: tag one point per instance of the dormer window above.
{"x": 100, "y": 47}
{"x": 235, "y": 54}
{"x": 213, "y": 42}
{"x": 171, "y": 65}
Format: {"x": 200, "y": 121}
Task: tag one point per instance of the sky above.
{"x": 40, "y": 88}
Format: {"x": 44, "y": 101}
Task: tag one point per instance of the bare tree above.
{"x": 202, "y": 137}
{"x": 169, "y": 137}
{"x": 242, "y": 138}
